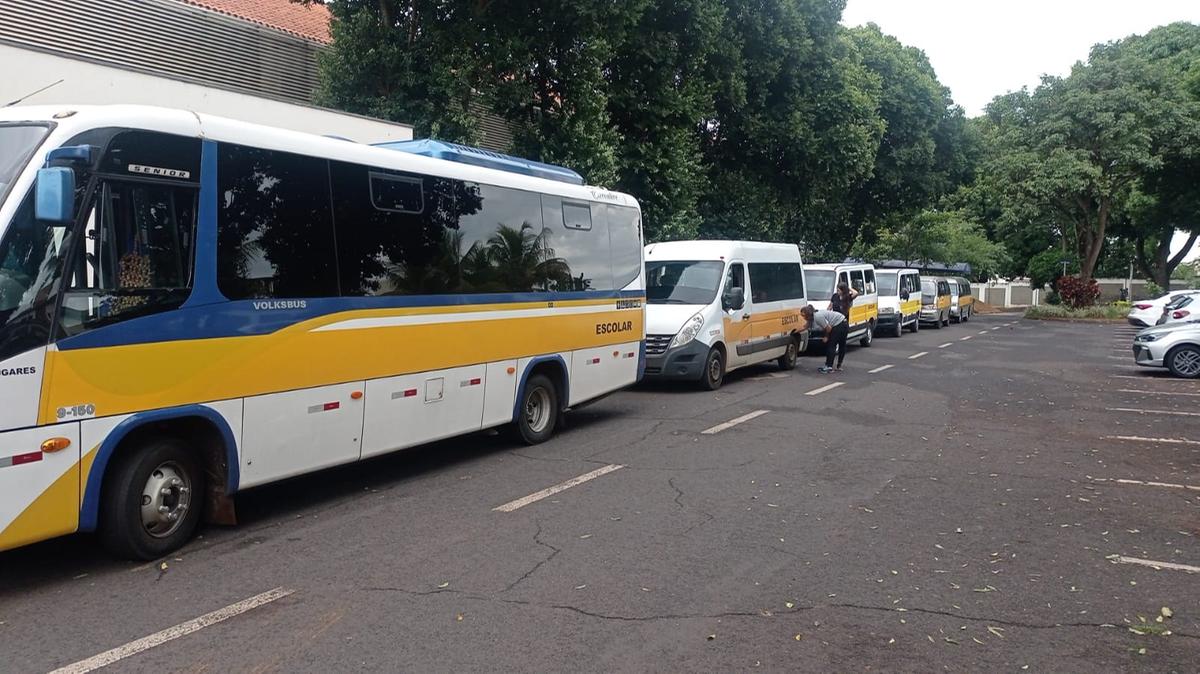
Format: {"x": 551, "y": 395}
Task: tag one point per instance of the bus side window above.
{"x": 625, "y": 237}
{"x": 870, "y": 280}
{"x": 274, "y": 225}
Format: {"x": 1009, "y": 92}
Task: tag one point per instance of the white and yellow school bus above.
{"x": 823, "y": 280}
{"x": 192, "y": 306}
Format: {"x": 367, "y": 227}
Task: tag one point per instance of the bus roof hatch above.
{"x": 440, "y": 149}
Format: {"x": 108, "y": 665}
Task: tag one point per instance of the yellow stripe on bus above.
{"x": 53, "y": 513}
{"x": 137, "y": 377}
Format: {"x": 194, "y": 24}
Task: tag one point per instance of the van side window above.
{"x": 776, "y": 281}
{"x": 857, "y": 282}
{"x": 964, "y": 288}
{"x": 734, "y": 278}
{"x": 869, "y": 274}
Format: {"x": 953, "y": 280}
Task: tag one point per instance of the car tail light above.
{"x": 1143, "y": 307}
{"x": 1180, "y": 314}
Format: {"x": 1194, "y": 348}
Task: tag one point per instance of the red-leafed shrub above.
{"x": 1076, "y": 292}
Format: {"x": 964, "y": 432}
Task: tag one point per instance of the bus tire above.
{"x": 714, "y": 370}
{"x": 788, "y": 360}
{"x": 152, "y": 500}
{"x": 537, "y": 414}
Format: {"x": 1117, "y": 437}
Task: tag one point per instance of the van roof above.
{"x": 896, "y": 271}
{"x": 840, "y": 265}
{"x": 716, "y": 249}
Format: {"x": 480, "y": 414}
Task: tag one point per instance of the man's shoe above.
{"x": 824, "y": 369}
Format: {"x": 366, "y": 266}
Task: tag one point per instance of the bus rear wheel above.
{"x": 537, "y": 415}
{"x": 151, "y": 500}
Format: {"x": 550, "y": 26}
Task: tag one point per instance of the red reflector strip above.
{"x": 332, "y": 406}
{"x": 595, "y": 361}
{"x": 19, "y": 459}
{"x": 313, "y": 409}
{"x": 631, "y": 354}
{"x": 476, "y": 381}
{"x": 470, "y": 382}
{"x": 410, "y": 393}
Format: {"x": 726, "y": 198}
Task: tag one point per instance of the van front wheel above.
{"x": 868, "y": 336}
{"x": 714, "y": 370}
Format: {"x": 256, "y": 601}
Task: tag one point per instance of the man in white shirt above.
{"x": 834, "y": 327}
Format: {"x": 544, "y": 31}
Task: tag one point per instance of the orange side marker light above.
{"x": 356, "y": 395}
{"x": 55, "y": 445}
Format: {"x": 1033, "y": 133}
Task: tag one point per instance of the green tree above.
{"x": 944, "y": 237}
{"x": 1075, "y": 150}
{"x": 926, "y": 149}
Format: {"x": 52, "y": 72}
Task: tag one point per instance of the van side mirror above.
{"x": 904, "y": 295}
{"x": 54, "y": 200}
{"x": 735, "y": 299}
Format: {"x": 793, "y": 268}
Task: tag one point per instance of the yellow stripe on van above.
{"x": 909, "y": 307}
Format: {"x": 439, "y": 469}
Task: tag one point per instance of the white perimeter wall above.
{"x": 86, "y": 83}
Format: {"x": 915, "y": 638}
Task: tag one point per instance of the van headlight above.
{"x": 886, "y": 311}
{"x": 689, "y": 331}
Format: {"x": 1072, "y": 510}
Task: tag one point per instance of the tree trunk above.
{"x": 1092, "y": 241}
{"x": 1161, "y": 266}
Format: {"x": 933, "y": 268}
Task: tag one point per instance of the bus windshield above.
{"x": 820, "y": 284}
{"x": 17, "y": 143}
{"x": 886, "y": 282}
{"x": 683, "y": 282}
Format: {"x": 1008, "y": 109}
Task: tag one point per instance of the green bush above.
{"x": 1114, "y": 311}
{"x": 1152, "y": 290}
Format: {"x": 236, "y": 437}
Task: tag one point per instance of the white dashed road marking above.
{"x": 983, "y": 332}
{"x": 1158, "y": 393}
{"x": 963, "y": 339}
{"x": 881, "y": 368}
{"x": 828, "y": 387}
{"x": 561, "y": 486}
{"x": 942, "y": 346}
{"x": 918, "y": 355}
{"x": 1135, "y": 410}
{"x": 1165, "y": 485}
{"x": 1121, "y": 559}
{"x": 734, "y": 422}
{"x": 171, "y": 633}
{"x": 1168, "y": 441}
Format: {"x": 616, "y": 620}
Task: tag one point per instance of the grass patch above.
{"x": 1102, "y": 312}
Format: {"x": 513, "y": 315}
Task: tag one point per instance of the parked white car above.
{"x": 1175, "y": 347}
{"x": 1145, "y": 313}
{"x": 1179, "y": 310}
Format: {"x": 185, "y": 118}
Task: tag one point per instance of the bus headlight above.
{"x": 689, "y": 331}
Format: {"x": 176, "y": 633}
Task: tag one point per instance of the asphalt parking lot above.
{"x": 999, "y": 495}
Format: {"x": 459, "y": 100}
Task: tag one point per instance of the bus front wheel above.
{"x": 152, "y": 500}
{"x": 538, "y": 412}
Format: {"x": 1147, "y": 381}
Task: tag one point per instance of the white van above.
{"x": 864, "y": 313}
{"x": 899, "y": 300}
{"x": 715, "y": 306}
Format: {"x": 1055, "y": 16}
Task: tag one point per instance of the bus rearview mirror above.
{"x": 54, "y": 200}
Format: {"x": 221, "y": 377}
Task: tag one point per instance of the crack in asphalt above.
{"x": 678, "y": 493}
{"x": 537, "y": 538}
{"x": 762, "y": 613}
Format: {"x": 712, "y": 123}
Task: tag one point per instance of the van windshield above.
{"x": 820, "y": 284}
{"x": 928, "y": 290}
{"x": 683, "y": 281}
{"x": 886, "y": 283}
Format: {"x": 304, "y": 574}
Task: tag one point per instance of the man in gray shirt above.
{"x": 834, "y": 327}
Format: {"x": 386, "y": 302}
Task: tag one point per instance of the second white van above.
{"x": 715, "y": 306}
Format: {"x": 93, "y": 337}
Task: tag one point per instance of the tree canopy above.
{"x": 769, "y": 120}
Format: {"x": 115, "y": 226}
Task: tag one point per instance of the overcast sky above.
{"x": 983, "y": 48}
